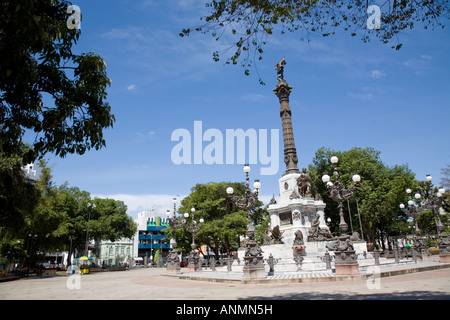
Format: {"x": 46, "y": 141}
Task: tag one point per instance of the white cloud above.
{"x": 160, "y": 202}
{"x": 138, "y": 203}
{"x": 131, "y": 87}
{"x": 426, "y": 57}
{"x": 377, "y": 74}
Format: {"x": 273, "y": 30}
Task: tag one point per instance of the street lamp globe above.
{"x": 442, "y": 191}
{"x": 408, "y": 191}
{"x": 186, "y": 215}
{"x": 410, "y": 202}
{"x": 246, "y": 168}
{"x": 417, "y": 196}
{"x": 201, "y": 220}
{"x": 402, "y": 206}
{"x": 168, "y": 213}
{"x": 257, "y": 185}
{"x": 356, "y": 178}
{"x": 230, "y": 190}
{"x": 192, "y": 210}
{"x": 174, "y": 200}
{"x": 325, "y": 178}
{"x": 334, "y": 159}
{"x": 429, "y": 178}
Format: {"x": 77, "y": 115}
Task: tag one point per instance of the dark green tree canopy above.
{"x": 382, "y": 189}
{"x": 44, "y": 87}
{"x": 248, "y": 24}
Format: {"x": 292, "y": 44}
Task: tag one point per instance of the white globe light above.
{"x": 408, "y": 190}
{"x": 192, "y": 209}
{"x": 417, "y": 196}
{"x": 402, "y": 206}
{"x": 174, "y": 200}
{"x": 356, "y": 178}
{"x": 411, "y": 203}
{"x": 257, "y": 184}
{"x": 429, "y": 178}
{"x": 186, "y": 215}
{"x": 246, "y": 168}
{"x": 442, "y": 191}
{"x": 334, "y": 159}
{"x": 329, "y": 183}
{"x": 325, "y": 178}
{"x": 168, "y": 213}
{"x": 230, "y": 190}
{"x": 201, "y": 220}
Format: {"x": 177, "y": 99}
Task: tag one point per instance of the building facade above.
{"x": 150, "y": 243}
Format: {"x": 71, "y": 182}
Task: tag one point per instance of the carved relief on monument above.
{"x": 285, "y": 218}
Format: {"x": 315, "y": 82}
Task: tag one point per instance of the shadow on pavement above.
{"x": 411, "y": 295}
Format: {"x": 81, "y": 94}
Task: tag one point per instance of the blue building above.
{"x": 151, "y": 244}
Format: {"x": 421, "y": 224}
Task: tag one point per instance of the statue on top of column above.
{"x": 280, "y": 69}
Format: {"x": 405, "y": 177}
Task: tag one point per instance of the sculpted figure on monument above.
{"x": 316, "y": 233}
{"x": 298, "y": 241}
{"x": 277, "y": 235}
{"x": 304, "y": 183}
{"x": 280, "y": 69}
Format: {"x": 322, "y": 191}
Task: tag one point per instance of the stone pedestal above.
{"x": 253, "y": 261}
{"x": 347, "y": 269}
{"x": 444, "y": 258}
{"x": 254, "y": 269}
{"x": 193, "y": 261}
{"x": 173, "y": 270}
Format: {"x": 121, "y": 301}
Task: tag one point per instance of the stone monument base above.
{"x": 173, "y": 270}
{"x": 347, "y": 269}
{"x": 193, "y": 268}
{"x": 254, "y": 273}
{"x": 444, "y": 258}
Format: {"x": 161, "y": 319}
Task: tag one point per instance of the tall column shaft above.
{"x": 282, "y": 91}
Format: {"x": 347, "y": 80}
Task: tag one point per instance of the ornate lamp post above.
{"x": 253, "y": 259}
{"x": 339, "y": 193}
{"x": 193, "y": 227}
{"x": 412, "y": 211}
{"x": 420, "y": 248}
{"x": 173, "y": 261}
{"x": 344, "y": 252}
{"x": 434, "y": 203}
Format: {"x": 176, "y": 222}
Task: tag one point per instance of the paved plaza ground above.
{"x": 154, "y": 284}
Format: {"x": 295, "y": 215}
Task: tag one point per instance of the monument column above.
{"x": 282, "y": 91}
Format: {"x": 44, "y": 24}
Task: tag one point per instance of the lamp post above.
{"x": 253, "y": 259}
{"x": 433, "y": 202}
{"x": 193, "y": 228}
{"x": 340, "y": 194}
{"x": 173, "y": 260}
{"x": 344, "y": 252}
{"x": 90, "y": 208}
{"x": 412, "y": 211}
{"x": 420, "y": 249}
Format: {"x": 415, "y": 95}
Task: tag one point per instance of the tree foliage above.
{"x": 50, "y": 218}
{"x": 223, "y": 223}
{"x": 44, "y": 87}
{"x": 382, "y": 189}
{"x": 248, "y": 24}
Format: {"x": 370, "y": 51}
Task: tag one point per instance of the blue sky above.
{"x": 346, "y": 94}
